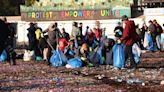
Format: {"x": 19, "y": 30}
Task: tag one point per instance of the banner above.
{"x": 75, "y": 15}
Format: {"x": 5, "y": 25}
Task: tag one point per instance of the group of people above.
{"x": 93, "y": 47}
{"x": 77, "y": 44}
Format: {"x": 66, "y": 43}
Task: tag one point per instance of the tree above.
{"x": 10, "y": 7}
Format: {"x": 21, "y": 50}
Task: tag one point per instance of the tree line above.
{"x": 10, "y": 7}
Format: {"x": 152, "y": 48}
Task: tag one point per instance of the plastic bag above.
{"x": 3, "y": 56}
{"x": 95, "y": 56}
{"x": 100, "y": 54}
{"x": 136, "y": 52}
{"x": 148, "y": 42}
{"x": 28, "y": 55}
{"x": 162, "y": 41}
{"x": 74, "y": 63}
{"x": 118, "y": 56}
{"x": 58, "y": 58}
{"x": 150, "y": 45}
{"x": 109, "y": 58}
{"x": 158, "y": 41}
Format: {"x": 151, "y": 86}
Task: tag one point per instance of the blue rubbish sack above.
{"x": 96, "y": 56}
{"x": 150, "y": 42}
{"x": 118, "y": 55}
{"x": 100, "y": 54}
{"x": 3, "y": 56}
{"x": 109, "y": 58}
{"x": 75, "y": 63}
{"x": 136, "y": 53}
{"x": 58, "y": 58}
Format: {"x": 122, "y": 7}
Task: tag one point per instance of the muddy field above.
{"x": 39, "y": 77}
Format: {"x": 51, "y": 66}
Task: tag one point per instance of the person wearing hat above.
{"x": 32, "y": 36}
{"x": 129, "y": 37}
{"x": 53, "y": 38}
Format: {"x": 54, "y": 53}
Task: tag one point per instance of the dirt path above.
{"x": 38, "y": 77}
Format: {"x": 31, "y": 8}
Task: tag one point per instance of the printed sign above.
{"x": 75, "y": 15}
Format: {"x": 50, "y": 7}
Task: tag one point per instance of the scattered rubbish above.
{"x": 135, "y": 81}
{"x": 162, "y": 82}
{"x": 154, "y": 82}
{"x": 118, "y": 90}
{"x": 100, "y": 76}
{"x": 119, "y": 80}
{"x": 132, "y": 74}
{"x": 141, "y": 69}
{"x": 51, "y": 90}
{"x": 38, "y": 77}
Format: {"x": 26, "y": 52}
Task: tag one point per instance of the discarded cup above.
{"x": 119, "y": 80}
{"x": 118, "y": 90}
{"x": 137, "y": 81}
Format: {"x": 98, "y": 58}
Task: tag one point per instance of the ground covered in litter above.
{"x": 35, "y": 76}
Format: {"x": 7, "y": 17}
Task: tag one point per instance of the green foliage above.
{"x": 9, "y": 7}
{"x": 51, "y": 5}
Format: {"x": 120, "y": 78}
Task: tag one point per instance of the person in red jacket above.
{"x": 129, "y": 37}
{"x": 98, "y": 31}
